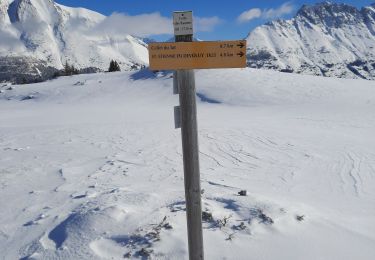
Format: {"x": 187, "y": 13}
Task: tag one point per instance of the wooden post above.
{"x": 182, "y": 58}
{"x": 189, "y": 132}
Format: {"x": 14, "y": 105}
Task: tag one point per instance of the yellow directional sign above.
{"x": 197, "y": 55}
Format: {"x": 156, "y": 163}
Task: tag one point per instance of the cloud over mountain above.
{"x": 271, "y": 13}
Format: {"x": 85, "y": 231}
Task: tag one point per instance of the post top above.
{"x": 183, "y": 23}
{"x": 189, "y": 11}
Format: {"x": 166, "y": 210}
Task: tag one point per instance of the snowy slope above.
{"x": 91, "y": 165}
{"x": 327, "y": 39}
{"x": 53, "y": 33}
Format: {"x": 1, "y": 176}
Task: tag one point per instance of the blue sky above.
{"x": 216, "y": 20}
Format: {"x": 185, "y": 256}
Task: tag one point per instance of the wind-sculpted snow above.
{"x": 328, "y": 39}
{"x": 91, "y": 167}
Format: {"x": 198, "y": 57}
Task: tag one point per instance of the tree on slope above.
{"x": 114, "y": 66}
{"x": 70, "y": 70}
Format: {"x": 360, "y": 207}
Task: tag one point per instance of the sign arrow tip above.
{"x": 241, "y": 45}
{"x": 241, "y": 54}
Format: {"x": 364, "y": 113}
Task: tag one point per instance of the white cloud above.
{"x": 139, "y": 25}
{"x": 145, "y": 25}
{"x": 271, "y": 13}
{"x": 284, "y": 9}
{"x": 249, "y": 15}
{"x": 206, "y": 24}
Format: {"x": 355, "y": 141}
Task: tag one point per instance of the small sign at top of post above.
{"x": 183, "y": 23}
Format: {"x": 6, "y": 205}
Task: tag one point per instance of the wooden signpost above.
{"x": 183, "y": 56}
{"x": 197, "y": 55}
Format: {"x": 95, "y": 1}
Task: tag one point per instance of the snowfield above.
{"x": 91, "y": 167}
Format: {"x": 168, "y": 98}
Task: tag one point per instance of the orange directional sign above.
{"x": 197, "y": 55}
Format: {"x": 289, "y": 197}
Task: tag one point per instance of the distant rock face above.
{"x": 54, "y": 34}
{"x": 327, "y": 39}
{"x": 21, "y": 70}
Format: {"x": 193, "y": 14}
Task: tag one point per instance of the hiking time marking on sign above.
{"x": 183, "y": 23}
{"x": 197, "y": 55}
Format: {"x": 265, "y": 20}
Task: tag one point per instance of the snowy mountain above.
{"x": 326, "y": 39}
{"x": 55, "y": 34}
{"x": 38, "y": 36}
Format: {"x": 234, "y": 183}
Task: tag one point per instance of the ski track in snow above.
{"x": 94, "y": 172}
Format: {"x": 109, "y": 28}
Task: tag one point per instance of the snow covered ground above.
{"x": 91, "y": 167}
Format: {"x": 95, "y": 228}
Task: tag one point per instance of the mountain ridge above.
{"x": 55, "y": 34}
{"x": 326, "y": 39}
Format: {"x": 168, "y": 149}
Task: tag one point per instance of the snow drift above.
{"x": 91, "y": 167}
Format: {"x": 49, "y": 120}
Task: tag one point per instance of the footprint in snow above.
{"x": 37, "y": 220}
{"x": 86, "y": 194}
